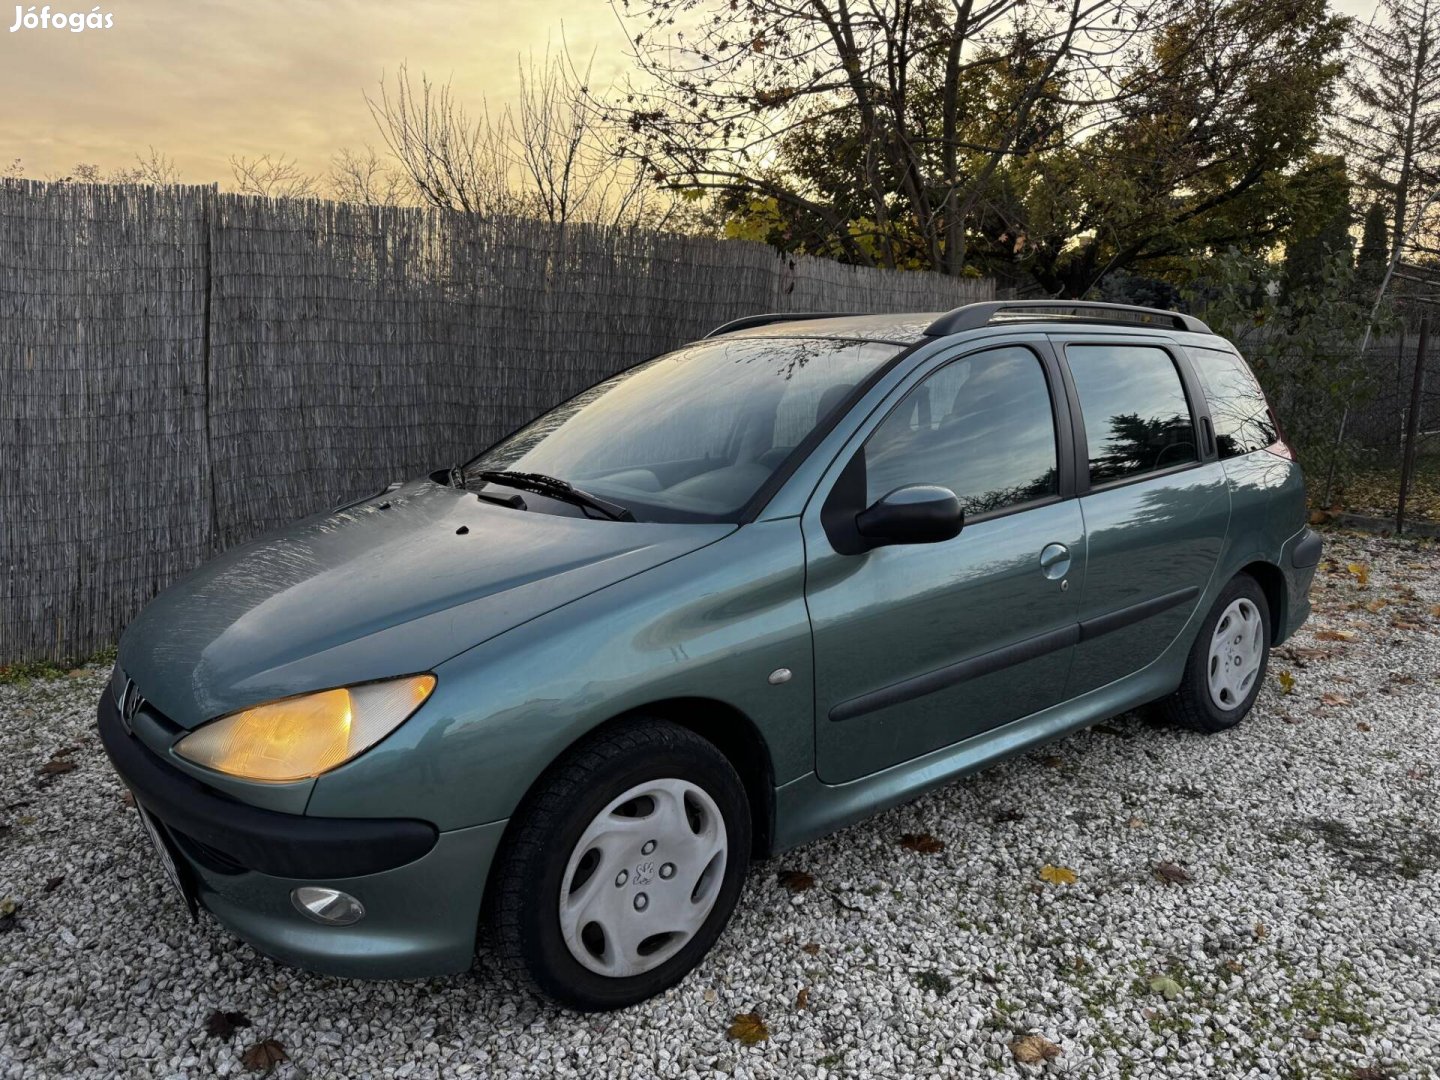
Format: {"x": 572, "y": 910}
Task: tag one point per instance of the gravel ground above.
{"x": 1292, "y": 927}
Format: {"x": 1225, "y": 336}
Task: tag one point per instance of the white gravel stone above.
{"x": 1305, "y": 945}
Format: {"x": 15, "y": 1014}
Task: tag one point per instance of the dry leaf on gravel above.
{"x": 128, "y": 798}
{"x": 811, "y": 948}
{"x": 748, "y": 1028}
{"x": 1057, "y": 875}
{"x": 1234, "y": 967}
{"x": 1334, "y": 635}
{"x": 923, "y": 842}
{"x": 1261, "y": 931}
{"x": 1164, "y": 984}
{"x": 264, "y": 1055}
{"x": 1034, "y": 1050}
{"x": 1334, "y": 699}
{"x": 795, "y": 880}
{"x": 1172, "y": 873}
{"x": 802, "y": 999}
{"x": 56, "y": 766}
{"x": 221, "y": 1025}
{"x": 1360, "y": 571}
{"x": 1135, "y": 822}
{"x": 1362, "y": 726}
{"x": 1287, "y": 682}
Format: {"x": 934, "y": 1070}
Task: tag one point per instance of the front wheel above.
{"x": 622, "y": 867}
{"x": 1227, "y": 663}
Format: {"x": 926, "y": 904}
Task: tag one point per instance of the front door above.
{"x": 920, "y": 646}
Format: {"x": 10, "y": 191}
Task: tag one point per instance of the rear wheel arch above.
{"x": 1271, "y": 580}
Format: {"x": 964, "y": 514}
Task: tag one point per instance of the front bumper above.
{"x": 421, "y": 888}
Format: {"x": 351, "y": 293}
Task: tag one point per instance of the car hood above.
{"x": 392, "y": 585}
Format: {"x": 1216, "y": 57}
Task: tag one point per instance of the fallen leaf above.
{"x": 128, "y": 798}
{"x": 1234, "y": 967}
{"x": 1360, "y": 571}
{"x": 710, "y": 996}
{"x": 1405, "y": 624}
{"x": 796, "y": 881}
{"x": 221, "y": 1025}
{"x": 1435, "y": 610}
{"x": 1135, "y": 822}
{"x": 1362, "y": 726}
{"x": 1376, "y": 606}
{"x": 923, "y": 842}
{"x": 1034, "y": 1050}
{"x": 1052, "y": 761}
{"x": 1057, "y": 875}
{"x": 265, "y": 1055}
{"x": 748, "y": 1028}
{"x": 1335, "y": 635}
{"x": 54, "y": 883}
{"x": 1310, "y": 1035}
{"x": 1287, "y": 682}
{"x": 1334, "y": 699}
{"x": 56, "y": 766}
{"x": 802, "y": 999}
{"x": 1261, "y": 931}
{"x": 1172, "y": 873}
{"x": 811, "y": 948}
{"x": 1164, "y": 984}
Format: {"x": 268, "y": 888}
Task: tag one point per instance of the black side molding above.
{"x": 1123, "y": 617}
{"x": 954, "y": 674}
{"x": 282, "y": 845}
{"x": 1008, "y": 655}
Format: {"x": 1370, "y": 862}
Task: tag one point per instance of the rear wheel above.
{"x": 622, "y": 867}
{"x": 1227, "y": 663}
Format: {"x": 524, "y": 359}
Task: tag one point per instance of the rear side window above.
{"x": 981, "y": 426}
{"x": 1137, "y": 420}
{"x": 1242, "y": 419}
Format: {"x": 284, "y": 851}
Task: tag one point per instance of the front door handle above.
{"x": 1055, "y": 561}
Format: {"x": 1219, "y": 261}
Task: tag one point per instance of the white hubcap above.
{"x": 1236, "y": 650}
{"x": 643, "y": 878}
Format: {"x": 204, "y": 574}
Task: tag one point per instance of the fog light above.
{"x": 329, "y": 906}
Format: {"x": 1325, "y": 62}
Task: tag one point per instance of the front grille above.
{"x": 210, "y": 858}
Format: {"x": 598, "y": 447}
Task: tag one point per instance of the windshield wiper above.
{"x": 554, "y": 488}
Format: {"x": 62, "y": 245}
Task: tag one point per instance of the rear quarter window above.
{"x": 1238, "y": 409}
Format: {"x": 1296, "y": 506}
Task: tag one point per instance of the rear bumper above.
{"x": 421, "y": 888}
{"x": 1298, "y": 562}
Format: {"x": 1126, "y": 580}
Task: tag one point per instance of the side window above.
{"x": 1237, "y": 404}
{"x": 981, "y": 426}
{"x": 1136, "y": 417}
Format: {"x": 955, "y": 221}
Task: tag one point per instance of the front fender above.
{"x": 711, "y": 624}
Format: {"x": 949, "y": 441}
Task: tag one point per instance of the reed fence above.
{"x": 181, "y": 369}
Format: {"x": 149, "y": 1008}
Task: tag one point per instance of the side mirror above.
{"x": 914, "y": 514}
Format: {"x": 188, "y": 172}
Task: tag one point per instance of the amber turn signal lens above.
{"x": 304, "y": 736}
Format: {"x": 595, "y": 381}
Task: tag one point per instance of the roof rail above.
{"x": 974, "y": 316}
{"x": 749, "y": 322}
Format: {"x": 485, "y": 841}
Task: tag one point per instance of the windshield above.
{"x": 692, "y": 435}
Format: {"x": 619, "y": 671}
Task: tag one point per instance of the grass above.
{"x": 28, "y": 671}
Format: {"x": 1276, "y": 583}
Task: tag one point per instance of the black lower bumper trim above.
{"x": 266, "y": 841}
{"x": 1307, "y": 549}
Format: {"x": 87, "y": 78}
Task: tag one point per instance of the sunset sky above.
{"x": 201, "y": 80}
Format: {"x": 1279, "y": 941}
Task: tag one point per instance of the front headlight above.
{"x": 304, "y": 736}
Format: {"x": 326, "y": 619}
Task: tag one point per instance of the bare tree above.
{"x": 452, "y": 162}
{"x": 1392, "y": 130}
{"x": 153, "y": 168}
{"x": 275, "y": 178}
{"x": 363, "y": 177}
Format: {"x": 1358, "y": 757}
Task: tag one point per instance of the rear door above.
{"x": 1155, "y": 500}
{"x": 921, "y": 646}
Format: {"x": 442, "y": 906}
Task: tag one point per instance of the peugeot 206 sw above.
{"x": 718, "y": 605}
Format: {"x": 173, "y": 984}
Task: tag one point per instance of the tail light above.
{"x": 1281, "y": 447}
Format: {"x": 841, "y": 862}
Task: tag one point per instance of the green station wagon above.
{"x": 718, "y": 605}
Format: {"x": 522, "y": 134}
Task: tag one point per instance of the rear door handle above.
{"x": 1055, "y": 561}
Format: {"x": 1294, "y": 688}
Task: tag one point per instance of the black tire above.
{"x": 1191, "y": 705}
{"x": 523, "y": 897}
